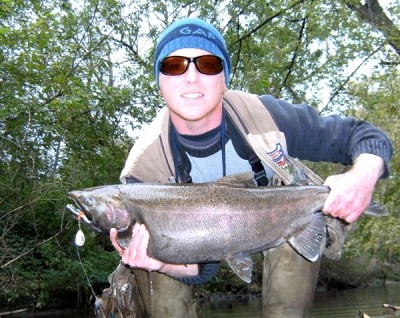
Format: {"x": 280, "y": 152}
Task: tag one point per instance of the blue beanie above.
{"x": 191, "y": 33}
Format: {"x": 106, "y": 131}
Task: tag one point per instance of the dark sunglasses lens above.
{"x": 209, "y": 64}
{"x": 173, "y": 65}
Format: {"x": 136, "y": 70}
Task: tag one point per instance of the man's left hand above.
{"x": 351, "y": 192}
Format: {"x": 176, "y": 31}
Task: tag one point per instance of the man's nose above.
{"x": 192, "y": 73}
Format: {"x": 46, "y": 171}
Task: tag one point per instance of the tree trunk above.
{"x": 373, "y": 13}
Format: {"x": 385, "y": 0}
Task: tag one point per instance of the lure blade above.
{"x": 79, "y": 238}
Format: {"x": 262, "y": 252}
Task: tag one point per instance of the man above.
{"x": 199, "y": 137}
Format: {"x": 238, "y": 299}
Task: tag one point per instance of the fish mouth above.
{"x": 79, "y": 213}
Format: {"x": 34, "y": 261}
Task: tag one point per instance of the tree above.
{"x": 372, "y": 13}
{"x": 60, "y": 128}
{"x": 76, "y": 83}
{"x": 376, "y": 101}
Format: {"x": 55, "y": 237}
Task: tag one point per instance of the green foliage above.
{"x": 376, "y": 102}
{"x": 76, "y": 82}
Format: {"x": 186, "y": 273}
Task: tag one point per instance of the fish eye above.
{"x": 88, "y": 201}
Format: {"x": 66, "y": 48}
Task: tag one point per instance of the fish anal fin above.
{"x": 242, "y": 265}
{"x": 308, "y": 241}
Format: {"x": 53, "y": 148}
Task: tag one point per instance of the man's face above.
{"x": 194, "y": 99}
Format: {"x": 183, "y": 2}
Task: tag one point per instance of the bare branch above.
{"x": 340, "y": 88}
{"x": 130, "y": 47}
{"x": 264, "y": 23}
{"x": 292, "y": 63}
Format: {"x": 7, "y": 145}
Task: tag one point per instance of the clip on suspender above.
{"x": 259, "y": 172}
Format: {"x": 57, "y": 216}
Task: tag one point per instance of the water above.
{"x": 346, "y": 303}
{"x": 340, "y": 304}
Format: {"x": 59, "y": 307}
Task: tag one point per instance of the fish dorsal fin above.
{"x": 242, "y": 180}
{"x": 308, "y": 240}
{"x": 242, "y": 266}
{"x": 303, "y": 174}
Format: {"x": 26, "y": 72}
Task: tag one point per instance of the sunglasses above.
{"x": 205, "y": 64}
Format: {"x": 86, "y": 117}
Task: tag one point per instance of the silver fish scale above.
{"x": 195, "y": 223}
{"x": 192, "y": 224}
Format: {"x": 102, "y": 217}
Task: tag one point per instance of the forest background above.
{"x": 76, "y": 85}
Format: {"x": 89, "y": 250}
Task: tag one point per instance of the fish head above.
{"x": 102, "y": 208}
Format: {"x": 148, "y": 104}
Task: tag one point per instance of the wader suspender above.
{"x": 252, "y": 118}
{"x": 263, "y": 135}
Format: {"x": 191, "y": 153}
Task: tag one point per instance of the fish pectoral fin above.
{"x": 308, "y": 241}
{"x": 124, "y": 237}
{"x": 242, "y": 265}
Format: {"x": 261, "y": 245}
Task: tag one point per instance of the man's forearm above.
{"x": 369, "y": 164}
{"x": 179, "y": 270}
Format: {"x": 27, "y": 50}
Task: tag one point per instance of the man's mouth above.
{"x": 192, "y": 95}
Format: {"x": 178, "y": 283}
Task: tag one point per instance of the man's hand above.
{"x": 351, "y": 192}
{"x": 136, "y": 254}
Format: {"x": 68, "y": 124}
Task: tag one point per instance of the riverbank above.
{"x": 27, "y": 313}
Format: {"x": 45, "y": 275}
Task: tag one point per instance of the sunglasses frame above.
{"x": 189, "y": 60}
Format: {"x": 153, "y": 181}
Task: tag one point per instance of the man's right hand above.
{"x": 136, "y": 255}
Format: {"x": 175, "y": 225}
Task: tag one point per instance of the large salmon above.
{"x": 198, "y": 223}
